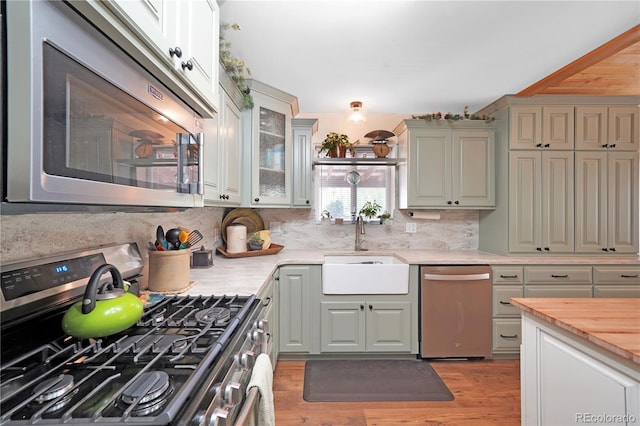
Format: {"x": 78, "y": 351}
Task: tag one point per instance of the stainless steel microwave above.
{"x": 86, "y": 123}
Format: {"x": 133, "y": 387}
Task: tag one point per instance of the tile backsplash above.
{"x": 30, "y": 236}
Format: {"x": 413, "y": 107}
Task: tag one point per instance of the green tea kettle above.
{"x": 103, "y": 311}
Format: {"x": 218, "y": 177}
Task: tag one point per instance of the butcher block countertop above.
{"x": 612, "y": 324}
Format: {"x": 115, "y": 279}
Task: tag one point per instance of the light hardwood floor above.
{"x": 486, "y": 392}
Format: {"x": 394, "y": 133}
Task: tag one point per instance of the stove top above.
{"x": 157, "y": 372}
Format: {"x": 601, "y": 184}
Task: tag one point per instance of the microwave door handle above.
{"x": 200, "y": 143}
{"x": 182, "y": 141}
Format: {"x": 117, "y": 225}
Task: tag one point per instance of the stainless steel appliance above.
{"x": 187, "y": 361}
{"x": 455, "y": 311}
{"x": 86, "y": 123}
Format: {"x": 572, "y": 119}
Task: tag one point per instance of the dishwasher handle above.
{"x": 457, "y": 277}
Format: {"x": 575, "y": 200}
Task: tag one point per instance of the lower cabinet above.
{"x": 365, "y": 325}
{"x": 298, "y": 317}
{"x": 567, "y": 380}
{"x": 616, "y": 281}
{"x": 271, "y": 315}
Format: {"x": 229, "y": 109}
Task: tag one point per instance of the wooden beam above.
{"x": 603, "y": 52}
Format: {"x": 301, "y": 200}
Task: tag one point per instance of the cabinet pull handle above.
{"x": 505, "y": 303}
{"x": 508, "y": 276}
{"x": 546, "y": 249}
{"x": 629, "y": 276}
{"x": 539, "y": 145}
{"x": 546, "y": 145}
{"x": 175, "y": 51}
{"x": 187, "y": 65}
{"x": 605, "y": 146}
{"x": 559, "y": 276}
{"x": 605, "y": 249}
{"x": 507, "y": 336}
{"x": 613, "y": 145}
{"x": 612, "y": 249}
{"x": 267, "y": 301}
{"x": 539, "y": 248}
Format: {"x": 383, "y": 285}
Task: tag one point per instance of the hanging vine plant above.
{"x": 234, "y": 66}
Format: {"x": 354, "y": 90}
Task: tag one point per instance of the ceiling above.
{"x": 414, "y": 57}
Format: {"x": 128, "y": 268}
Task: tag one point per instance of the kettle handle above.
{"x": 89, "y": 299}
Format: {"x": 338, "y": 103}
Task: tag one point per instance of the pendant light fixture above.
{"x": 357, "y": 113}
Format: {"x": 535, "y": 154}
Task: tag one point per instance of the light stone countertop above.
{"x": 246, "y": 276}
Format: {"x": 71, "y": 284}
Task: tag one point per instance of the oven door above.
{"x": 88, "y": 124}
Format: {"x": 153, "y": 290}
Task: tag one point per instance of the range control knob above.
{"x": 247, "y": 359}
{"x": 220, "y": 417}
{"x": 232, "y": 393}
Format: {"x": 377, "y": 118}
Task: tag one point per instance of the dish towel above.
{"x": 262, "y": 378}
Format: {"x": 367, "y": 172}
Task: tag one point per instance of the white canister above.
{"x": 236, "y": 238}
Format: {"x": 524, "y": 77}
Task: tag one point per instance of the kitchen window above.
{"x": 342, "y": 190}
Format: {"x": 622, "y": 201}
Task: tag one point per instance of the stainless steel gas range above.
{"x": 187, "y": 361}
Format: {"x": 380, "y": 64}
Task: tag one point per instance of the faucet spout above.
{"x": 359, "y": 231}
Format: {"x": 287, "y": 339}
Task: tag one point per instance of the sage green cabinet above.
{"x": 607, "y": 202}
{"x": 269, "y": 297}
{"x": 448, "y": 165}
{"x": 541, "y": 205}
{"x": 602, "y": 127}
{"x": 616, "y": 281}
{"x": 367, "y": 324}
{"x": 543, "y": 127}
{"x": 268, "y": 147}
{"x": 223, "y": 154}
{"x": 298, "y": 308}
{"x": 508, "y": 282}
{"x": 303, "y": 130}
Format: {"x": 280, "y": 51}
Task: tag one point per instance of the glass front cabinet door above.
{"x": 270, "y": 143}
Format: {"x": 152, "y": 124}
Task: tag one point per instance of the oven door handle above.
{"x": 249, "y": 407}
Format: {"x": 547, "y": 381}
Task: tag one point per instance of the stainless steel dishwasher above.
{"x": 455, "y": 311}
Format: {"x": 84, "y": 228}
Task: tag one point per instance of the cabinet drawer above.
{"x": 616, "y": 274}
{"x": 501, "y": 297}
{"x": 616, "y": 290}
{"x": 557, "y": 274}
{"x": 507, "y": 335}
{"x": 508, "y": 275}
{"x": 558, "y": 291}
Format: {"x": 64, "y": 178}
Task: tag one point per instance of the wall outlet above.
{"x": 411, "y": 228}
{"x": 216, "y": 234}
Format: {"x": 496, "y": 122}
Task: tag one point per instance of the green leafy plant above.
{"x": 334, "y": 142}
{"x": 434, "y": 116}
{"x": 235, "y": 67}
{"x": 370, "y": 209}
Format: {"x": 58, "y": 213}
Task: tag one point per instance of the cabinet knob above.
{"x": 449, "y": 202}
{"x": 457, "y": 202}
{"x": 187, "y": 65}
{"x": 308, "y": 202}
{"x": 371, "y": 307}
{"x": 362, "y": 307}
{"x": 257, "y": 200}
{"x": 175, "y": 51}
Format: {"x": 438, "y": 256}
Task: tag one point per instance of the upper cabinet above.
{"x": 537, "y": 127}
{"x": 303, "y": 130}
{"x": 601, "y": 127}
{"x": 449, "y": 165}
{"x": 223, "y": 154}
{"x": 183, "y": 35}
{"x": 268, "y": 146}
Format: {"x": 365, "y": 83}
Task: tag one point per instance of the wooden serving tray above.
{"x": 273, "y": 249}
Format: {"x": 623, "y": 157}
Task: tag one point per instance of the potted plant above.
{"x": 370, "y": 209}
{"x": 336, "y": 145}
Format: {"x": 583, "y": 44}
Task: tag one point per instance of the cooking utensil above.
{"x": 173, "y": 238}
{"x": 103, "y": 311}
{"x": 194, "y": 237}
{"x": 159, "y": 235}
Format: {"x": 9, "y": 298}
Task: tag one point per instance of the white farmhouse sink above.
{"x": 353, "y": 274}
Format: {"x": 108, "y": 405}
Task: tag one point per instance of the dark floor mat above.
{"x": 373, "y": 380}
